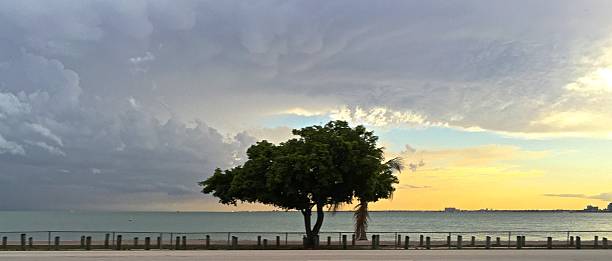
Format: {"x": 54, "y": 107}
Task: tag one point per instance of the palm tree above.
{"x": 361, "y": 214}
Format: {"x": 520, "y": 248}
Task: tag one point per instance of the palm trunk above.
{"x": 361, "y": 220}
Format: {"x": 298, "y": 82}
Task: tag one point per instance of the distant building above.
{"x": 590, "y": 208}
{"x": 451, "y": 210}
{"x": 610, "y": 207}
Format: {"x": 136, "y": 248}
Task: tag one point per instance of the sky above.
{"x": 126, "y": 105}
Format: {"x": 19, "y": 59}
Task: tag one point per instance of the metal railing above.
{"x": 122, "y": 240}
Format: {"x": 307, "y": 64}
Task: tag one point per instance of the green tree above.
{"x": 326, "y": 166}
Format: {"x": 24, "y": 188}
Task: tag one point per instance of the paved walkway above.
{"x": 317, "y": 255}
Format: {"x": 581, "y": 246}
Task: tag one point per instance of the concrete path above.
{"x": 318, "y": 255}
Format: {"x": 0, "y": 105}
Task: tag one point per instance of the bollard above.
{"x": 265, "y": 243}
{"x": 82, "y": 241}
{"x": 448, "y": 241}
{"x": 549, "y": 243}
{"x": 4, "y": 240}
{"x": 518, "y": 242}
{"x": 147, "y": 243}
{"x": 596, "y": 242}
{"x": 208, "y": 241}
{"x": 353, "y": 240}
{"x": 343, "y": 241}
{"x": 159, "y": 243}
{"x": 604, "y": 242}
{"x": 316, "y": 241}
{"x": 571, "y": 241}
{"x": 578, "y": 244}
{"x": 523, "y": 241}
{"x": 118, "y": 243}
{"x": 329, "y": 241}
{"x": 258, "y": 240}
{"x": 406, "y": 242}
{"x": 56, "y": 242}
{"x": 373, "y": 241}
{"x": 136, "y": 242}
{"x": 473, "y": 241}
{"x": 277, "y": 241}
{"x": 304, "y": 241}
{"x": 488, "y": 242}
{"x": 459, "y": 242}
{"x": 399, "y": 240}
{"x": 234, "y": 242}
{"x": 427, "y": 243}
{"x": 30, "y": 242}
{"x": 377, "y": 241}
{"x": 177, "y": 243}
{"x": 23, "y": 242}
{"x": 88, "y": 243}
{"x": 184, "y": 242}
{"x": 421, "y": 237}
{"x": 498, "y": 241}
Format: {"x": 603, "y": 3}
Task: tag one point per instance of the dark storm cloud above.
{"x": 99, "y": 99}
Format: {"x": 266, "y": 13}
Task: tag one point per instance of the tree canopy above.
{"x": 324, "y": 166}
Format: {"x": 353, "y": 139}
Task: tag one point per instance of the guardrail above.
{"x": 124, "y": 240}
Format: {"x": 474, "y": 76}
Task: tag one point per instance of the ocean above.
{"x": 272, "y": 222}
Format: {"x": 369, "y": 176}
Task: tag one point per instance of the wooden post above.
{"x": 473, "y": 241}
{"x": 30, "y": 242}
{"x": 343, "y": 241}
{"x": 147, "y": 243}
{"x": 4, "y": 242}
{"x": 135, "y": 242}
{"x": 428, "y": 243}
{"x": 159, "y": 242}
{"x": 82, "y": 241}
{"x": 119, "y": 239}
{"x": 234, "y": 242}
{"x": 277, "y": 241}
{"x": 596, "y": 242}
{"x": 56, "y": 242}
{"x": 399, "y": 240}
{"x": 518, "y": 242}
{"x": 488, "y": 242}
{"x": 448, "y": 241}
{"x": 406, "y": 242}
{"x": 421, "y": 237}
{"x": 208, "y": 241}
{"x": 88, "y": 243}
{"x": 523, "y": 241}
{"x": 265, "y": 243}
{"x": 353, "y": 240}
{"x": 258, "y": 240}
{"x": 184, "y": 242}
{"x": 317, "y": 241}
{"x": 604, "y": 242}
{"x": 571, "y": 241}
{"x": 373, "y": 241}
{"x": 578, "y": 244}
{"x": 106, "y": 240}
{"x": 23, "y": 242}
{"x": 498, "y": 241}
{"x": 177, "y": 243}
{"x": 459, "y": 241}
{"x": 329, "y": 241}
{"x": 549, "y": 243}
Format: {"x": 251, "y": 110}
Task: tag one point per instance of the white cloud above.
{"x": 10, "y": 147}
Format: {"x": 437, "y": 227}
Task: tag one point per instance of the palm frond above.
{"x": 395, "y": 164}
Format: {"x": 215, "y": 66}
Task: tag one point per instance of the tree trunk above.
{"x": 313, "y": 232}
{"x": 361, "y": 220}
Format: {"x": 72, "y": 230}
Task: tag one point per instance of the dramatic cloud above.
{"x": 107, "y": 102}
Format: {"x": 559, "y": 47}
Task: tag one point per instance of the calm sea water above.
{"x": 292, "y": 221}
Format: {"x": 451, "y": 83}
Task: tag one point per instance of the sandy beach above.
{"x": 298, "y": 255}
